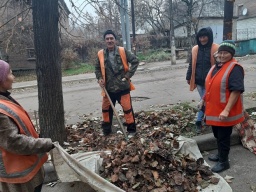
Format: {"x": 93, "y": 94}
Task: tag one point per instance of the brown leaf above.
{"x": 135, "y": 159}
{"x": 176, "y": 144}
{"x": 177, "y": 176}
{"x": 114, "y": 178}
{"x": 215, "y": 180}
{"x": 200, "y": 161}
{"x": 158, "y": 183}
{"x": 198, "y": 177}
{"x": 154, "y": 164}
{"x": 155, "y": 175}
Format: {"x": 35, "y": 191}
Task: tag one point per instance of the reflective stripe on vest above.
{"x": 11, "y": 112}
{"x": 27, "y": 165}
{"x": 228, "y": 119}
{"x": 224, "y": 81}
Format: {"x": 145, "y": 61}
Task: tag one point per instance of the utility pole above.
{"x": 133, "y": 28}
{"x": 172, "y": 39}
{"x": 228, "y": 19}
{"x": 125, "y": 24}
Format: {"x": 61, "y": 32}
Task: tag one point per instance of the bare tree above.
{"x": 48, "y": 69}
{"x": 189, "y": 13}
{"x": 15, "y": 27}
{"x": 153, "y": 13}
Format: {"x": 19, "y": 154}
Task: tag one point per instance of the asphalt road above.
{"x": 156, "y": 84}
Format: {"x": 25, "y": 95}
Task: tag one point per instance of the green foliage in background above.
{"x": 154, "y": 56}
{"x": 79, "y": 68}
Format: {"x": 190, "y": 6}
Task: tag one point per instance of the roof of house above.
{"x": 247, "y": 8}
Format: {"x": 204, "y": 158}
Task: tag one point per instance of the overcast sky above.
{"x": 80, "y": 4}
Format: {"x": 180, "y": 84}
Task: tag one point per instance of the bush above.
{"x": 68, "y": 57}
{"x": 154, "y": 56}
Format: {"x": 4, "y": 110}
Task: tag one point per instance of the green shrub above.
{"x": 154, "y": 56}
{"x": 78, "y": 68}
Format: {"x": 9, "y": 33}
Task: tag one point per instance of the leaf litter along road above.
{"x": 146, "y": 162}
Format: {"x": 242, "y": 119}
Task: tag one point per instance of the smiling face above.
{"x": 110, "y": 41}
{"x": 224, "y": 56}
{"x": 7, "y": 84}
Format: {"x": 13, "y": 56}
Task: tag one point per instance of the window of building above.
{"x": 31, "y": 54}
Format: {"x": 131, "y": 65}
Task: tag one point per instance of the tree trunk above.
{"x": 48, "y": 69}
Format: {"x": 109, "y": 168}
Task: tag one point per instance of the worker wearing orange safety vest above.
{"x": 224, "y": 85}
{"x": 22, "y": 153}
{"x": 113, "y": 72}
{"x": 200, "y": 63}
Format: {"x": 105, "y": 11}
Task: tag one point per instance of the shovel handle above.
{"x": 113, "y": 107}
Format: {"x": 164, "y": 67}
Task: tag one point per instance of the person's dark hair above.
{"x": 109, "y": 31}
{"x": 203, "y": 32}
{"x": 229, "y": 46}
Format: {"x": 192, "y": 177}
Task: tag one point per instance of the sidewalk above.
{"x": 90, "y": 76}
{"x": 242, "y": 161}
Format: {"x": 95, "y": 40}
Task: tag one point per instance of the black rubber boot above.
{"x": 213, "y": 157}
{"x": 106, "y": 128}
{"x": 198, "y": 127}
{"x": 131, "y": 128}
{"x": 220, "y": 166}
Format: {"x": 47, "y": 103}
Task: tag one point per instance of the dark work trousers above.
{"x": 124, "y": 99}
{"x": 222, "y": 134}
{"x": 38, "y": 188}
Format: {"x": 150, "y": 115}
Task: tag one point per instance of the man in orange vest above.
{"x": 113, "y": 72}
{"x": 200, "y": 63}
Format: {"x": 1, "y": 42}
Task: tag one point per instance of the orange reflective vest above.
{"x": 217, "y": 95}
{"x": 194, "y": 51}
{"x": 124, "y": 61}
{"x": 19, "y": 168}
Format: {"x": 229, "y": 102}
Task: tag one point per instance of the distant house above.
{"x": 245, "y": 27}
{"x": 211, "y": 16}
{"x": 245, "y": 10}
{"x": 16, "y": 32}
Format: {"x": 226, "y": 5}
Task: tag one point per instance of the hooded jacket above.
{"x": 203, "y": 59}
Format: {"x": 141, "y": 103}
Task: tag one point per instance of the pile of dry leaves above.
{"x": 145, "y": 162}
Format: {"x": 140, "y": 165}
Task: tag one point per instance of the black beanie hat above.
{"x": 109, "y": 31}
{"x": 229, "y": 46}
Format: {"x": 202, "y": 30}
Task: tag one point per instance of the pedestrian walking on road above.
{"x": 200, "y": 63}
{"x": 22, "y": 152}
{"x": 113, "y": 72}
{"x": 223, "y": 101}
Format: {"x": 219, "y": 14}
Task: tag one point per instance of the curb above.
{"x": 139, "y": 70}
{"x": 50, "y": 173}
{"x": 208, "y": 142}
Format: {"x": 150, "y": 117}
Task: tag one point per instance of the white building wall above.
{"x": 246, "y": 29}
{"x": 215, "y": 24}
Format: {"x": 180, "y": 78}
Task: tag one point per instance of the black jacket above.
{"x": 203, "y": 62}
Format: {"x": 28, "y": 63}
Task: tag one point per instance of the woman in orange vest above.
{"x": 200, "y": 63}
{"x": 22, "y": 153}
{"x": 223, "y": 101}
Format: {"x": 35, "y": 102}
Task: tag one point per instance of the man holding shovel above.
{"x": 113, "y": 73}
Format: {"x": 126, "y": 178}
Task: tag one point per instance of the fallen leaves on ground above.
{"x": 146, "y": 162}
